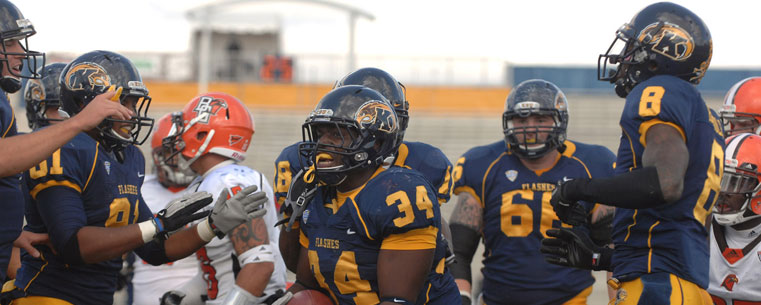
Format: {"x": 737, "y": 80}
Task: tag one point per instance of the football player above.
{"x": 741, "y": 111}
{"x": 86, "y": 195}
{"x": 42, "y": 97}
{"x": 211, "y": 136}
{"x": 427, "y": 159}
{"x": 504, "y": 190}
{"x": 42, "y": 109}
{"x": 371, "y": 233}
{"x": 734, "y": 276}
{"x": 20, "y": 152}
{"x": 668, "y": 167}
{"x": 166, "y": 183}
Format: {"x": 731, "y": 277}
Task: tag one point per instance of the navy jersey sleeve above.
{"x": 286, "y": 165}
{"x": 659, "y": 100}
{"x": 399, "y": 205}
{"x": 62, "y": 211}
{"x": 468, "y": 175}
{"x": 432, "y": 163}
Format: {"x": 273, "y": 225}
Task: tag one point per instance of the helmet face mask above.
{"x": 169, "y": 174}
{"x": 14, "y": 33}
{"x": 741, "y": 111}
{"x": 663, "y": 38}
{"x": 740, "y": 198}
{"x": 352, "y": 128}
{"x": 535, "y": 119}
{"x": 97, "y": 72}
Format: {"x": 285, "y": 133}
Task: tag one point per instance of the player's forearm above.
{"x": 183, "y": 243}
{"x": 21, "y": 152}
{"x": 98, "y": 244}
{"x": 254, "y": 277}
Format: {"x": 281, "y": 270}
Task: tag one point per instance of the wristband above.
{"x": 204, "y": 230}
{"x": 148, "y": 230}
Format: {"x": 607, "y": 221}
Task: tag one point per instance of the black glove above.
{"x": 572, "y": 247}
{"x": 172, "y": 297}
{"x": 601, "y": 230}
{"x": 179, "y": 212}
{"x": 568, "y": 209}
{"x": 300, "y": 193}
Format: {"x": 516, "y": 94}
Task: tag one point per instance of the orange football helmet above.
{"x": 212, "y": 122}
{"x": 741, "y": 111}
{"x": 739, "y": 199}
{"x": 169, "y": 176}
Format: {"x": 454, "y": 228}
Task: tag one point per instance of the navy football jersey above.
{"x": 424, "y": 158}
{"x": 109, "y": 197}
{"x": 344, "y": 233}
{"x": 11, "y": 196}
{"x": 516, "y": 215}
{"x": 670, "y": 238}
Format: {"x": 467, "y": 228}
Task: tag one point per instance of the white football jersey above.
{"x": 217, "y": 256}
{"x": 151, "y": 282}
{"x": 734, "y": 277}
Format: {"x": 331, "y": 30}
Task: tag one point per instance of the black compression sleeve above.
{"x": 70, "y": 251}
{"x": 465, "y": 241}
{"x": 633, "y": 190}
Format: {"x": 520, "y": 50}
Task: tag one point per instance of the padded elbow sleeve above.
{"x": 633, "y": 190}
{"x": 70, "y": 252}
{"x": 465, "y": 242}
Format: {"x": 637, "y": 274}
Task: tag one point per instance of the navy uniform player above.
{"x": 504, "y": 191}
{"x": 426, "y": 159}
{"x": 87, "y": 197}
{"x": 668, "y": 168}
{"x": 371, "y": 234}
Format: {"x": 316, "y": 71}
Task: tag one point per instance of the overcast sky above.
{"x": 525, "y": 32}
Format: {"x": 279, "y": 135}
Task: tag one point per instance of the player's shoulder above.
{"x": 289, "y": 152}
{"x": 579, "y": 149}
{"x": 80, "y": 143}
{"x": 484, "y": 154}
{"x": 231, "y": 175}
{"x": 421, "y": 156}
{"x": 669, "y": 90}
{"x": 394, "y": 179}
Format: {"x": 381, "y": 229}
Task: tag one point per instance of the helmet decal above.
{"x": 669, "y": 40}
{"x": 207, "y": 107}
{"x": 35, "y": 89}
{"x": 96, "y": 76}
{"x": 376, "y": 114}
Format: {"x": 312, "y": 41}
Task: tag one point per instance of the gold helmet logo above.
{"x": 668, "y": 39}
{"x": 35, "y": 91}
{"x": 376, "y": 114}
{"x": 89, "y": 75}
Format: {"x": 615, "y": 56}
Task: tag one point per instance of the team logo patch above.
{"x": 107, "y": 165}
{"x": 511, "y": 175}
{"x": 305, "y": 216}
{"x": 376, "y": 114}
{"x": 729, "y": 282}
{"x": 234, "y": 139}
{"x": 87, "y": 74}
{"x": 35, "y": 90}
{"x": 208, "y": 106}
{"x": 669, "y": 40}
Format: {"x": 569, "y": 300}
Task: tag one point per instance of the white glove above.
{"x": 230, "y": 213}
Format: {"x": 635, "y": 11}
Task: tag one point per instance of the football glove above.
{"x": 573, "y": 248}
{"x": 230, "y": 213}
{"x": 172, "y": 297}
{"x": 180, "y": 212}
{"x": 300, "y": 193}
{"x": 569, "y": 210}
{"x": 284, "y": 299}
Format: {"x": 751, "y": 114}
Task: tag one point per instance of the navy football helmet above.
{"x": 41, "y": 94}
{"x": 13, "y": 26}
{"x": 535, "y": 97}
{"x": 96, "y": 72}
{"x": 387, "y": 85}
{"x": 663, "y": 38}
{"x": 367, "y": 126}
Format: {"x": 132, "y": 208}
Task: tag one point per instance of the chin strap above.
{"x": 10, "y": 84}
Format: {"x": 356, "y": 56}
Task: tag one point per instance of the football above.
{"x": 310, "y": 297}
